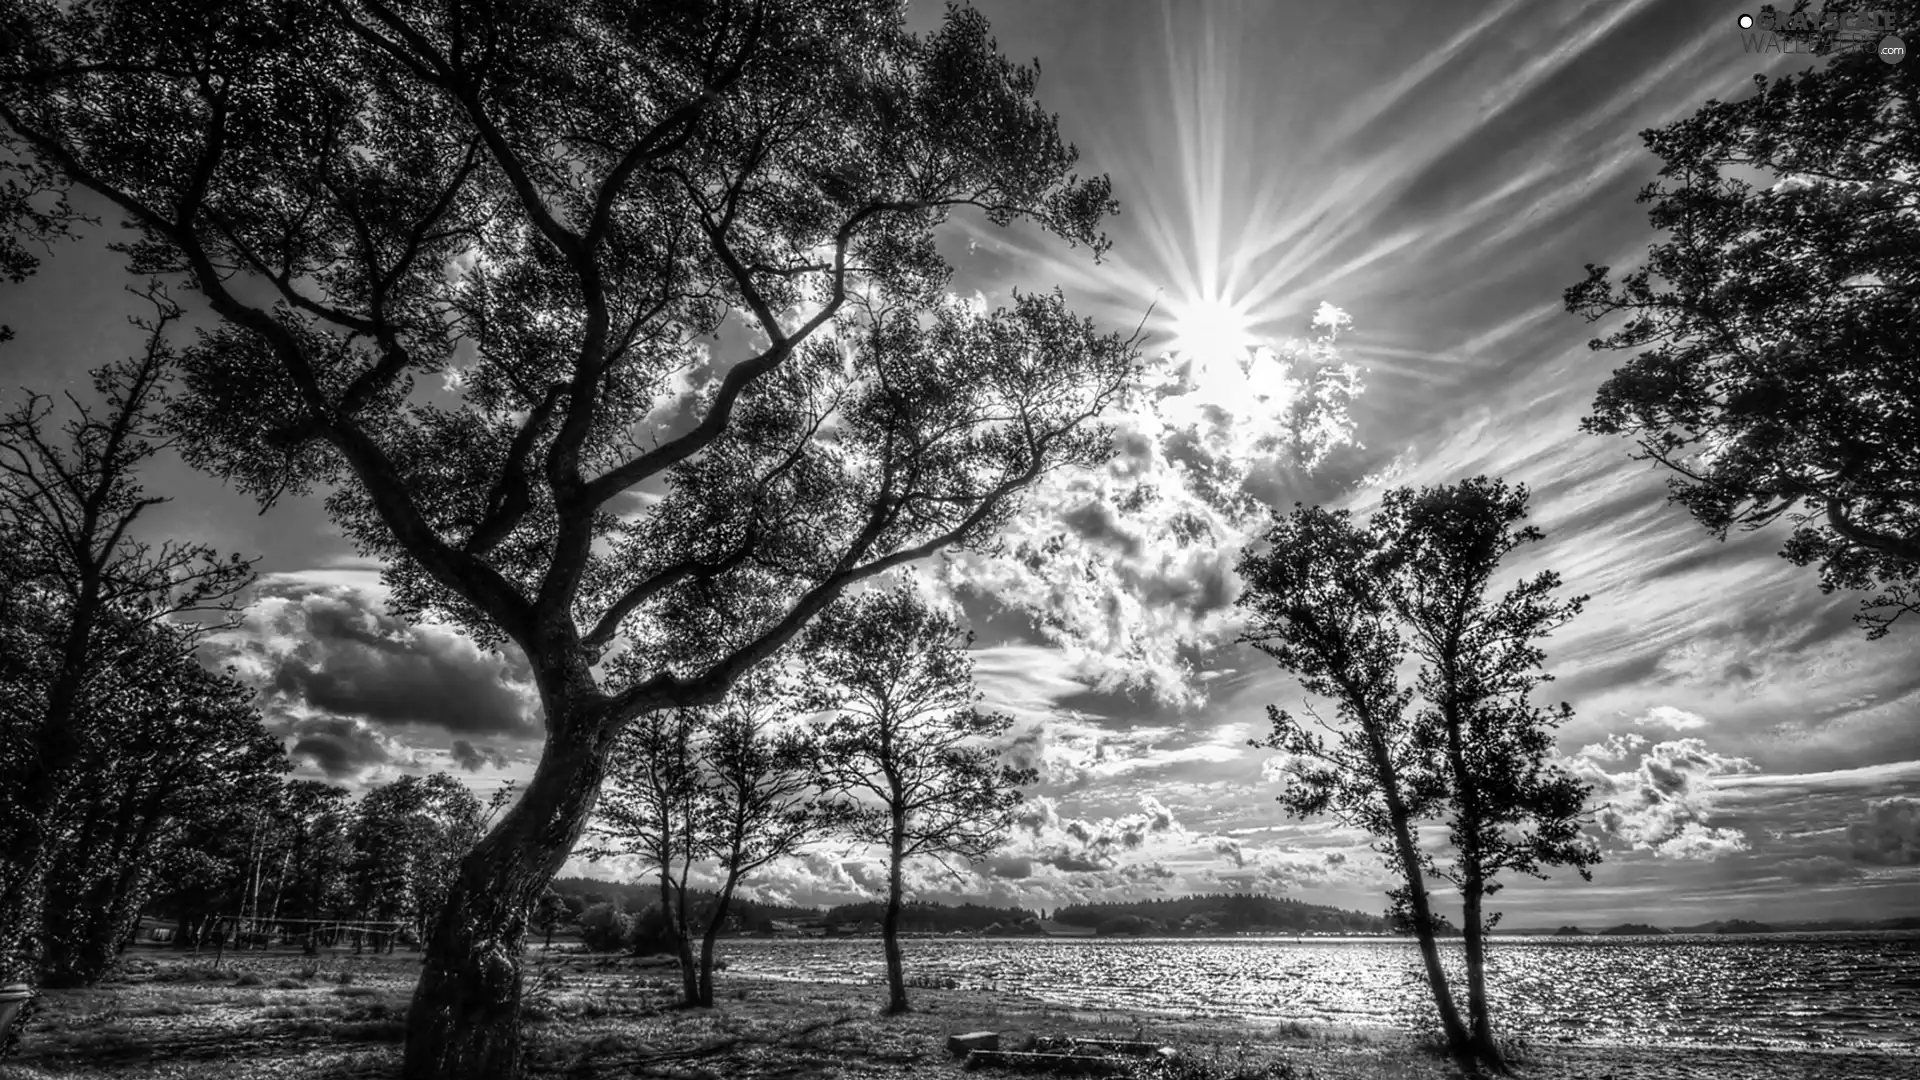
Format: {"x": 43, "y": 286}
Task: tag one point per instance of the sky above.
{"x": 1392, "y": 193}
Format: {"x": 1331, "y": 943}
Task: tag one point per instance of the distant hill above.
{"x": 1631, "y": 929}
{"x": 1571, "y": 931}
{"x": 1228, "y": 913}
{"x": 920, "y": 918}
{"x": 636, "y": 897}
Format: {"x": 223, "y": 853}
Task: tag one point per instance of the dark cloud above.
{"x": 474, "y": 758}
{"x": 1095, "y": 521}
{"x": 1074, "y": 862}
{"x": 1012, "y": 867}
{"x": 1890, "y": 833}
{"x": 339, "y": 747}
{"x": 332, "y": 649}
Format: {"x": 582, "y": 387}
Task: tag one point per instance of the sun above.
{"x": 1210, "y": 330}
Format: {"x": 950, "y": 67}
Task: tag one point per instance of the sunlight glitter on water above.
{"x": 1858, "y": 991}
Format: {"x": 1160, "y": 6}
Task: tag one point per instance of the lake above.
{"x": 1826, "y": 990}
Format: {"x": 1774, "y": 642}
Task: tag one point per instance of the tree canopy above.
{"x": 1776, "y": 373}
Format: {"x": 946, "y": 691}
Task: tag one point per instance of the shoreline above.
{"x": 265, "y": 1015}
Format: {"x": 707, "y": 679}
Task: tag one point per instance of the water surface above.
{"x": 1828, "y": 990}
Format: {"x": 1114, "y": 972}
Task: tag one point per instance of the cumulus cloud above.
{"x": 1664, "y": 802}
{"x": 1129, "y": 569}
{"x": 329, "y": 649}
{"x": 1889, "y": 835}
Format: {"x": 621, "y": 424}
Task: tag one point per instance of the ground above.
{"x": 279, "y": 1015}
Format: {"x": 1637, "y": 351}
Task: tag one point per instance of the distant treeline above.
{"x": 1223, "y": 913}
{"x": 638, "y": 897}
{"x": 1736, "y": 926}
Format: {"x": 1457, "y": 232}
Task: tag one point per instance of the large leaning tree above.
{"x": 468, "y": 260}
{"x": 1775, "y": 374}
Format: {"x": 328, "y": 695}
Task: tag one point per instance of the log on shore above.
{"x": 1029, "y": 1061}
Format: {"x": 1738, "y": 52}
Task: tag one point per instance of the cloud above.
{"x": 340, "y": 747}
{"x": 329, "y": 649}
{"x": 1128, "y": 569}
{"x": 1664, "y": 802}
{"x": 474, "y": 758}
{"x": 1669, "y": 717}
{"x": 1696, "y": 841}
{"x": 1890, "y": 833}
{"x": 1817, "y": 870}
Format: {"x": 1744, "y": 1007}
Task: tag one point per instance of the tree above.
{"x": 651, "y": 810}
{"x": 540, "y": 208}
{"x": 1509, "y": 807}
{"x": 1315, "y": 604}
{"x": 906, "y": 743}
{"x": 551, "y": 912}
{"x": 758, "y": 798}
{"x": 408, "y": 837}
{"x": 1776, "y": 322}
{"x": 716, "y": 783}
{"x": 186, "y": 740}
{"x": 86, "y": 593}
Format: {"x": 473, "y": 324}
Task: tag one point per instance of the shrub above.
{"x": 604, "y": 928}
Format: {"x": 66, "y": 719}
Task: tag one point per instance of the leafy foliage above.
{"x": 906, "y": 749}
{"x": 97, "y": 621}
{"x": 1775, "y": 320}
{"x": 408, "y": 835}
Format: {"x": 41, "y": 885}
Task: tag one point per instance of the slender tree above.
{"x": 761, "y": 803}
{"x": 905, "y": 742}
{"x": 652, "y": 811}
{"x": 551, "y": 913}
{"x": 538, "y": 208}
{"x": 86, "y": 591}
{"x": 1508, "y": 806}
{"x": 1774, "y": 323}
{"x": 1315, "y": 604}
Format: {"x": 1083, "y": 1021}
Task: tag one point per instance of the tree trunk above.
{"x": 678, "y": 926}
{"x": 712, "y": 934}
{"x": 1478, "y": 1008}
{"x": 464, "y": 1023}
{"x": 890, "y": 923}
{"x": 1458, "y": 1043}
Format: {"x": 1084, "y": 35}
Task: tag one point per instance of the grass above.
{"x": 263, "y": 1016}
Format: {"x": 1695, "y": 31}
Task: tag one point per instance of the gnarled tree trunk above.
{"x": 464, "y": 1023}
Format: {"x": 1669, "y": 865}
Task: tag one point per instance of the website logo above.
{"x": 1821, "y": 33}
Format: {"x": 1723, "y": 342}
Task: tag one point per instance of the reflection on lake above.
{"x": 1859, "y": 990}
